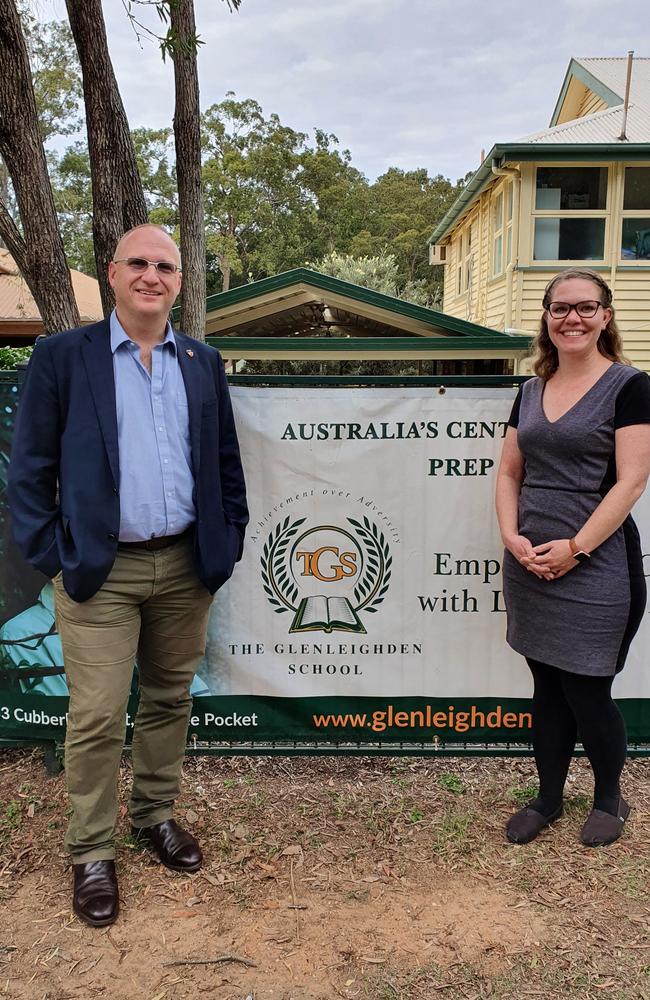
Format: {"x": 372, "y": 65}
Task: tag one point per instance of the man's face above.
{"x": 145, "y": 297}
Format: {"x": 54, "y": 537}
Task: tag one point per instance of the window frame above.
{"x": 464, "y": 260}
{"x": 573, "y": 213}
{"x": 631, "y": 213}
{"x": 497, "y": 231}
{"x": 508, "y": 209}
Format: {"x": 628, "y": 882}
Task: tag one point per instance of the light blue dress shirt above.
{"x": 156, "y": 478}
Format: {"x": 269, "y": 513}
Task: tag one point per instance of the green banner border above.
{"x": 251, "y": 719}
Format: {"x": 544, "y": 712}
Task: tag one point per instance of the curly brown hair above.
{"x": 545, "y": 357}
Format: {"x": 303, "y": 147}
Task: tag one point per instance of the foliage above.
{"x": 380, "y": 273}
{"x": 276, "y": 199}
{"x": 339, "y": 192}
{"x": 71, "y": 185}
{"x": 56, "y": 75}
{"x": 258, "y": 215}
{"x": 12, "y": 356}
{"x": 154, "y": 151}
{"x": 169, "y": 42}
{"x": 451, "y": 783}
{"x": 405, "y": 202}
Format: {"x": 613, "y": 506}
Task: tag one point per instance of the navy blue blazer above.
{"x": 64, "y": 474}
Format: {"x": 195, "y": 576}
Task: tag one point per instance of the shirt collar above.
{"x": 119, "y": 335}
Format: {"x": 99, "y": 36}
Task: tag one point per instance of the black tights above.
{"x": 567, "y": 706}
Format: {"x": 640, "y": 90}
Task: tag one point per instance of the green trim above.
{"x": 545, "y": 152}
{"x": 387, "y": 345}
{"x": 404, "y": 381}
{"x": 538, "y": 152}
{"x": 591, "y": 82}
{"x": 357, "y": 293}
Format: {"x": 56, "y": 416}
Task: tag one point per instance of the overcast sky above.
{"x": 407, "y": 83}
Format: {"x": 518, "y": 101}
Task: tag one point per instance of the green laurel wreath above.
{"x": 280, "y": 590}
{"x": 375, "y": 581}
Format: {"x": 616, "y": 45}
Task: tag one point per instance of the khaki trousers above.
{"x": 152, "y": 605}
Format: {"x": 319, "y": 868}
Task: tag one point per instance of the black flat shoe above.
{"x": 526, "y": 824}
{"x": 176, "y": 848}
{"x": 602, "y": 828}
{"x": 96, "y": 899}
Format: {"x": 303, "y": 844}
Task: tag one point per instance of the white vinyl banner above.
{"x": 372, "y": 564}
{"x": 368, "y": 604}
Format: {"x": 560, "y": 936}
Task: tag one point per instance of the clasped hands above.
{"x": 549, "y": 561}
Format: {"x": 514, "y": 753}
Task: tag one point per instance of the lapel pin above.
{"x": 189, "y": 353}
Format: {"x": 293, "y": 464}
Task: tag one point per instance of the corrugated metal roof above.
{"x": 613, "y": 72}
{"x": 602, "y": 126}
{"x": 17, "y": 304}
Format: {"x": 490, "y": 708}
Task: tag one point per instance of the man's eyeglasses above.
{"x": 140, "y": 265}
{"x": 560, "y": 310}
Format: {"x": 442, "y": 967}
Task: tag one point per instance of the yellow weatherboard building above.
{"x": 575, "y": 193}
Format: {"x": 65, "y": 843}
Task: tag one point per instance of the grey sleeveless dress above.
{"x": 584, "y": 621}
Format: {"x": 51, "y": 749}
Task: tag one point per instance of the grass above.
{"x": 451, "y": 783}
{"x": 12, "y": 814}
{"x": 453, "y": 833}
{"x": 551, "y": 978}
{"x": 577, "y": 804}
{"x": 522, "y": 794}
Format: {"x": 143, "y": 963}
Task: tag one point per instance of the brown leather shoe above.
{"x": 96, "y": 899}
{"x": 526, "y": 824}
{"x": 176, "y": 848}
{"x": 602, "y": 828}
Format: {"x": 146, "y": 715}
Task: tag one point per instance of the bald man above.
{"x": 126, "y": 488}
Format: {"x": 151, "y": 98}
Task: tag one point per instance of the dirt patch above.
{"x": 343, "y": 929}
{"x": 377, "y": 880}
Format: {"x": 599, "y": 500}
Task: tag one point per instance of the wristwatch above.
{"x": 578, "y": 554}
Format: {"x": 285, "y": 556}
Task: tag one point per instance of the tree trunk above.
{"x": 187, "y": 135}
{"x": 225, "y": 274}
{"x": 118, "y": 199}
{"x": 38, "y": 251}
{"x": 4, "y": 195}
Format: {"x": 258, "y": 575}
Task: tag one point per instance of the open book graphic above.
{"x": 326, "y": 614}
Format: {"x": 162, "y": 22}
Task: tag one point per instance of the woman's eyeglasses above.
{"x": 560, "y": 310}
{"x": 141, "y": 264}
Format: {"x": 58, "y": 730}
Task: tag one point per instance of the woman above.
{"x": 576, "y": 457}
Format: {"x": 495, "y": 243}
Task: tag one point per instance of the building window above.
{"x": 497, "y": 234}
{"x": 570, "y": 216}
{"x": 509, "y": 197}
{"x": 635, "y": 234}
{"x": 467, "y": 263}
{"x": 464, "y": 264}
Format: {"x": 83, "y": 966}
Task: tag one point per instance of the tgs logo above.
{"x": 351, "y": 563}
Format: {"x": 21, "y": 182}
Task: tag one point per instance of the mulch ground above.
{"x": 382, "y": 879}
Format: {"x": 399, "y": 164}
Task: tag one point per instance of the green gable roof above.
{"x": 303, "y": 313}
{"x": 357, "y": 293}
{"x": 440, "y": 324}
